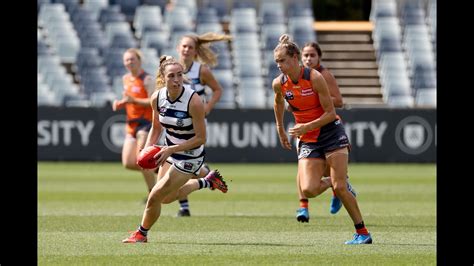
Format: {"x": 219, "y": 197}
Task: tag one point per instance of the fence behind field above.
{"x": 376, "y": 135}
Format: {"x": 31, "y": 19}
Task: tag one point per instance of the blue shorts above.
{"x": 135, "y": 125}
{"x": 331, "y": 137}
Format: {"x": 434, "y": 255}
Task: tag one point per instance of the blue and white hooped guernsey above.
{"x": 178, "y": 124}
{"x": 194, "y": 75}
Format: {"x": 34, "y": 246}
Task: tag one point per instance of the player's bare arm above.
{"x": 279, "y": 110}
{"x": 333, "y": 88}
{"x": 156, "y": 128}
{"x": 207, "y": 78}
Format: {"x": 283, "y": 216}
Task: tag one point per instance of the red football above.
{"x": 145, "y": 158}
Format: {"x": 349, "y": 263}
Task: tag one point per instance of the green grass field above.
{"x": 86, "y": 209}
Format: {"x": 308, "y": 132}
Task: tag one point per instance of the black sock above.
{"x": 359, "y": 225}
{"x": 203, "y": 183}
{"x": 142, "y": 230}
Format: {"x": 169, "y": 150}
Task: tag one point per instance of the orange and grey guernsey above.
{"x": 135, "y": 87}
{"x": 303, "y": 101}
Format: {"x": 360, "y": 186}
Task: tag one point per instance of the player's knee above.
{"x": 130, "y": 165}
{"x": 339, "y": 188}
{"x": 310, "y": 192}
{"x": 169, "y": 198}
{"x": 153, "y": 198}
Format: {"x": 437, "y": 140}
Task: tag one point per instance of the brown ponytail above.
{"x": 165, "y": 60}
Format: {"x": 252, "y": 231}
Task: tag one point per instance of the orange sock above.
{"x": 362, "y": 231}
{"x": 304, "y": 203}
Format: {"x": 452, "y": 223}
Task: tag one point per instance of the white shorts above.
{"x": 189, "y": 166}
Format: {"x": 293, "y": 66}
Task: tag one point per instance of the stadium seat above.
{"x": 251, "y": 93}
{"x": 386, "y": 8}
{"x": 190, "y": 5}
{"x": 123, "y": 41}
{"x": 224, "y": 61}
{"x": 102, "y": 98}
{"x": 49, "y": 9}
{"x": 112, "y": 28}
{"x": 67, "y": 50}
{"x": 156, "y": 41}
{"x": 426, "y": 97}
{"x": 178, "y": 17}
{"x": 128, "y": 7}
{"x": 78, "y": 100}
{"x": 401, "y": 101}
{"x": 207, "y": 15}
{"x": 39, "y": 3}
{"x": 161, "y": 3}
{"x": 388, "y": 44}
{"x": 244, "y": 4}
{"x": 299, "y": 11}
{"x": 209, "y": 27}
{"x": 95, "y": 6}
{"x": 222, "y": 8}
{"x": 43, "y": 48}
{"x": 147, "y": 16}
{"x": 225, "y": 79}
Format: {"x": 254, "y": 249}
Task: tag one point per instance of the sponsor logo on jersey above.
{"x": 179, "y": 114}
{"x": 188, "y": 166}
{"x": 307, "y": 92}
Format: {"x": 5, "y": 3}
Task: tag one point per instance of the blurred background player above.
{"x": 196, "y": 57}
{"x": 180, "y": 111}
{"x": 321, "y": 136}
{"x": 311, "y": 55}
{"x": 138, "y": 87}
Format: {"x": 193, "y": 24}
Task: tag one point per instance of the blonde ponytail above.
{"x": 292, "y": 48}
{"x": 204, "y": 53}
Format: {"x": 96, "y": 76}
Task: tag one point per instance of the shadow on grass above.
{"x": 401, "y": 225}
{"x": 405, "y": 244}
{"x": 236, "y": 244}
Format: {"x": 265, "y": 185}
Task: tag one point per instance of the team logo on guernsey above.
{"x": 413, "y": 135}
{"x": 180, "y": 122}
{"x": 135, "y": 89}
{"x": 180, "y": 114}
{"x": 289, "y": 95}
